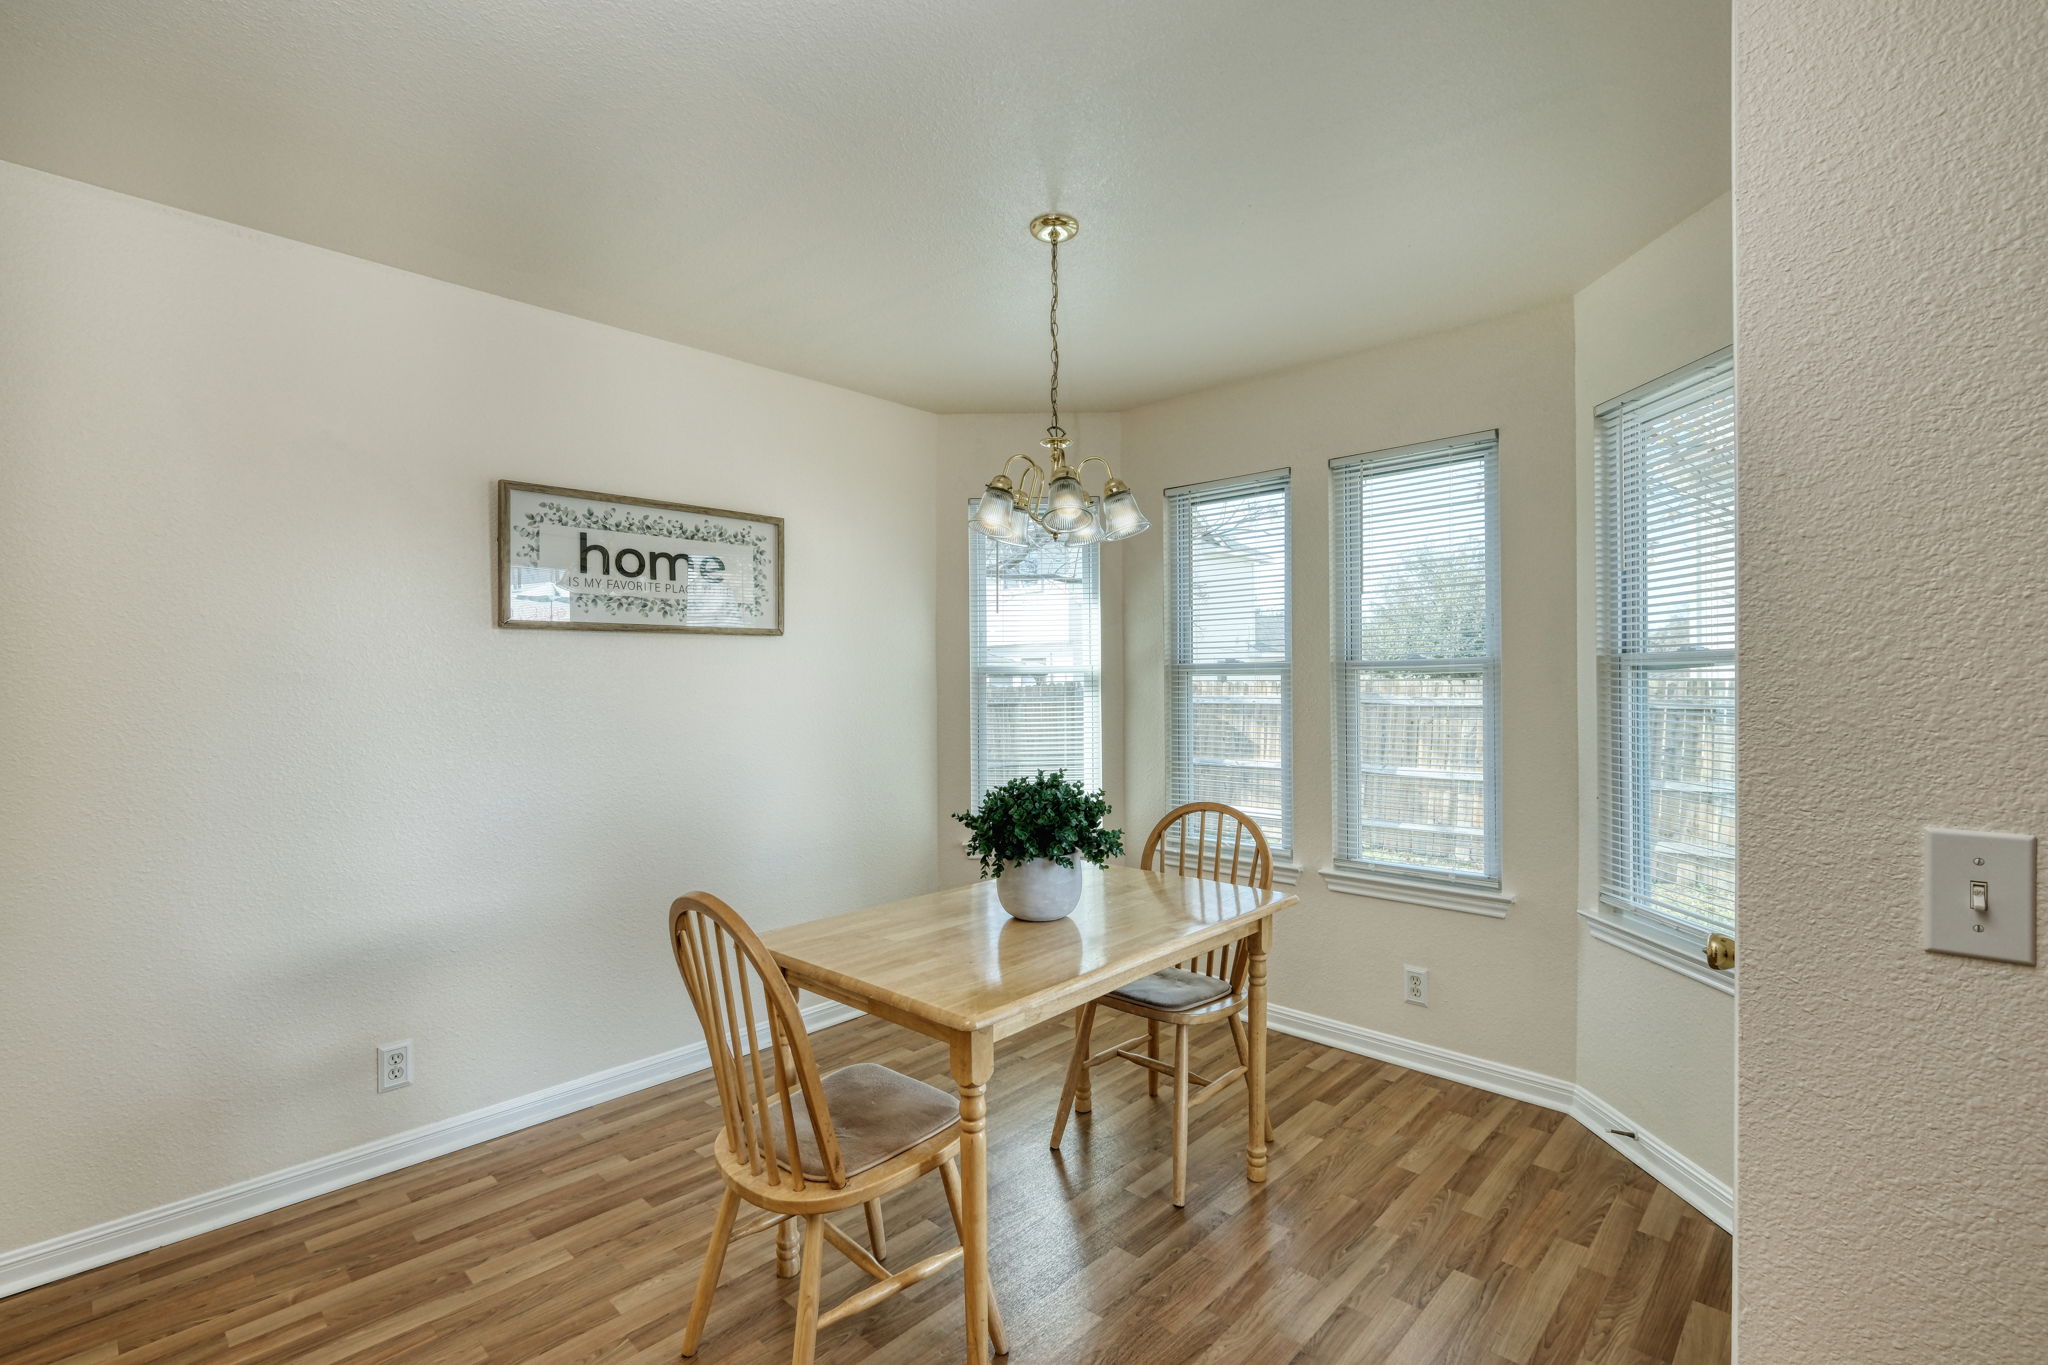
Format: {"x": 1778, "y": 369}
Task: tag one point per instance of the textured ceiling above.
{"x": 840, "y": 189}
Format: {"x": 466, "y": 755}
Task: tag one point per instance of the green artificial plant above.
{"x": 1045, "y": 816}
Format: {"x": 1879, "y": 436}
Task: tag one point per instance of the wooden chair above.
{"x": 798, "y": 1145}
{"x": 1220, "y": 843}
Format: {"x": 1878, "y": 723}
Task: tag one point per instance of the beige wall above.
{"x": 1654, "y": 1044}
{"x": 276, "y": 791}
{"x": 971, "y": 449}
{"x": 1891, "y": 206}
{"x": 1501, "y": 989}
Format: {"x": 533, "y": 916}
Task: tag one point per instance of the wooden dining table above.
{"x": 954, "y": 966}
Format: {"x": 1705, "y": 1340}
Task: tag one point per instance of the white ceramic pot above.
{"x": 1040, "y": 889}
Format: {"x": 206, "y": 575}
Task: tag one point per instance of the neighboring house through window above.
{"x": 1034, "y": 625}
{"x": 1229, "y": 682}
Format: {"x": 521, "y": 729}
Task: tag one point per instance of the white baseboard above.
{"x": 1664, "y": 1163}
{"x": 1512, "y": 1081}
{"x": 58, "y": 1257}
{"x": 1671, "y": 1168}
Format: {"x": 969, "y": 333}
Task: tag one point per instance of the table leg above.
{"x": 972, "y": 1062}
{"x": 1255, "y": 1045}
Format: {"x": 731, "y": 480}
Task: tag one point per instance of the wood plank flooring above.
{"x": 1407, "y": 1219}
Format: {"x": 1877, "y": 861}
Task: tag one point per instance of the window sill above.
{"x": 1654, "y": 943}
{"x": 1468, "y": 900}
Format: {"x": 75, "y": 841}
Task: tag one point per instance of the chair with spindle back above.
{"x": 1201, "y": 839}
{"x": 798, "y": 1145}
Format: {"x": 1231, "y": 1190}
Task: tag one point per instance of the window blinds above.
{"x": 1667, "y": 648}
{"x": 1229, "y": 722}
{"x": 1035, "y": 660}
{"x": 1416, "y": 687}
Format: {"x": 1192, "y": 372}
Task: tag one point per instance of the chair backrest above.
{"x": 760, "y": 1053}
{"x": 1221, "y": 843}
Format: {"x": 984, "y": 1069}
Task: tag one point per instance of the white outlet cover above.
{"x": 394, "y": 1066}
{"x": 2004, "y": 931}
{"x": 1419, "y": 996}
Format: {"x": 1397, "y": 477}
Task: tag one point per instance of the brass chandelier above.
{"x": 1047, "y": 505}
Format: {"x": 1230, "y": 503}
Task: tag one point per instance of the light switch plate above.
{"x": 2004, "y": 930}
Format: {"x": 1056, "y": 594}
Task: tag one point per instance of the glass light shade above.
{"x": 1017, "y": 530}
{"x": 1122, "y": 517}
{"x": 1090, "y": 529}
{"x": 1066, "y": 503}
{"x": 993, "y": 512}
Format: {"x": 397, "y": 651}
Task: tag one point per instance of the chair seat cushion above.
{"x": 1174, "y": 989}
{"x": 878, "y": 1113}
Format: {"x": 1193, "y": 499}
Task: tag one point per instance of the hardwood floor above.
{"x": 1406, "y": 1219}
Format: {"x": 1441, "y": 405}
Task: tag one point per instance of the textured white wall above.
{"x": 1656, "y": 1045}
{"x": 1502, "y": 989}
{"x": 275, "y": 789}
{"x": 1892, "y": 320}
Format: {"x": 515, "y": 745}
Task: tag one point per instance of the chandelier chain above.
{"x": 1054, "y": 392}
{"x": 1047, "y": 504}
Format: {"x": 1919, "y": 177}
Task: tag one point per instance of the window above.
{"x": 1229, "y": 722}
{"x": 1416, "y": 687}
{"x": 1034, "y": 631}
{"x": 1667, "y": 649}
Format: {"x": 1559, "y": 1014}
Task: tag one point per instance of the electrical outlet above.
{"x": 394, "y": 1066}
{"x": 1415, "y": 985}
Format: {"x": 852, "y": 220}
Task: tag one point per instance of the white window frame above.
{"x": 1483, "y": 894}
{"x": 980, "y": 668}
{"x": 1180, "y": 667}
{"x": 1620, "y": 918}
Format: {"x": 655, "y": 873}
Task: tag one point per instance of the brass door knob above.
{"x": 1720, "y": 952}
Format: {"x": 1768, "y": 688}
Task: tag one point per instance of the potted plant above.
{"x": 1028, "y": 834}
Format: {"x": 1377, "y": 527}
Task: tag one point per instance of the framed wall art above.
{"x": 575, "y": 560}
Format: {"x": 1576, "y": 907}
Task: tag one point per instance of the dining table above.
{"x": 954, "y": 966}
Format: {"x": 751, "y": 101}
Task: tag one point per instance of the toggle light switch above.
{"x": 1980, "y": 894}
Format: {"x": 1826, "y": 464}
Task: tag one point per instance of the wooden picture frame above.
{"x": 694, "y": 570}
